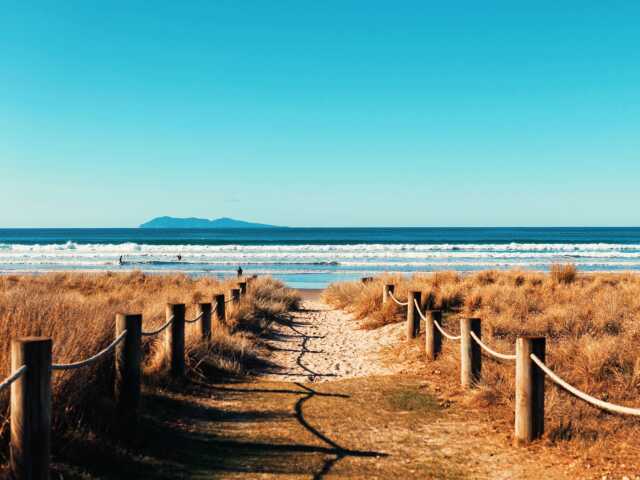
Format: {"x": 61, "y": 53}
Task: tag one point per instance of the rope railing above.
{"x": 159, "y": 330}
{"x": 30, "y": 412}
{"x": 415, "y": 302}
{"x": 493, "y": 353}
{"x": 195, "y": 319}
{"x": 402, "y": 304}
{"x": 90, "y": 360}
{"x": 529, "y": 380}
{"x": 445, "y": 333}
{"x": 13, "y": 377}
{"x": 448, "y": 335}
{"x": 610, "y": 407}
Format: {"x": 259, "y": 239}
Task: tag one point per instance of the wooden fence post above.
{"x": 31, "y": 409}
{"x": 243, "y": 287}
{"x": 433, "y": 337}
{"x": 470, "y": 353}
{"x": 128, "y": 357}
{"x": 204, "y": 309}
{"x": 174, "y": 339}
{"x": 413, "y": 317}
{"x": 221, "y": 315}
{"x": 235, "y": 296}
{"x": 529, "y": 390}
{"x": 387, "y": 288}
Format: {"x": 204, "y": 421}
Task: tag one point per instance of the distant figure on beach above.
{"x": 120, "y": 260}
{"x": 179, "y": 257}
{"x": 239, "y": 271}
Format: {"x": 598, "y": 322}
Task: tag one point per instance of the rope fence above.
{"x": 530, "y": 367}
{"x": 153, "y": 333}
{"x": 6, "y": 383}
{"x": 30, "y": 412}
{"x": 195, "y": 319}
{"x": 493, "y": 353}
{"x": 610, "y": 407}
{"x": 445, "y": 333}
{"x": 402, "y": 304}
{"x": 90, "y": 360}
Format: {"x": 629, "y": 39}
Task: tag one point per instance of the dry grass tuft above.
{"x": 78, "y": 312}
{"x": 564, "y": 273}
{"x": 591, "y": 321}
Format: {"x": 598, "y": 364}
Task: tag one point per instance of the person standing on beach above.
{"x": 239, "y": 271}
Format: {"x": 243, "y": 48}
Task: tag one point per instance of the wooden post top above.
{"x": 32, "y": 340}
{"x": 129, "y": 315}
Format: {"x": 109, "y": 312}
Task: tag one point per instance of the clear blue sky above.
{"x": 316, "y": 113}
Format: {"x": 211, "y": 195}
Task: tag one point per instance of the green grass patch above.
{"x": 410, "y": 400}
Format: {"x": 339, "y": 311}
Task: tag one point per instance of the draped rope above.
{"x": 195, "y": 319}
{"x": 90, "y": 360}
{"x": 13, "y": 377}
{"x": 403, "y": 304}
{"x": 610, "y": 407}
{"x": 155, "y": 332}
{"x": 501, "y": 356}
{"x": 415, "y": 302}
{"x": 448, "y": 335}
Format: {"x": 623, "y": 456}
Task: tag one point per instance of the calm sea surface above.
{"x": 314, "y": 257}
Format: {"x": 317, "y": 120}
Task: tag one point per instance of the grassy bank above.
{"x": 591, "y": 321}
{"x": 78, "y": 312}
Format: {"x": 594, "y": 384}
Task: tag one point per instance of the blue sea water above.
{"x": 314, "y": 257}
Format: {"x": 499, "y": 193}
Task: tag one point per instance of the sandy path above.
{"x": 321, "y": 344}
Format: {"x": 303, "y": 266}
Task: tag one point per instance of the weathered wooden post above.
{"x": 235, "y": 296}
{"x": 243, "y": 287}
{"x": 128, "y": 357}
{"x": 433, "y": 337}
{"x": 174, "y": 339}
{"x": 529, "y": 390}
{"x": 470, "y": 353}
{"x": 204, "y": 309}
{"x": 220, "y": 310}
{"x": 413, "y": 317}
{"x": 31, "y": 409}
{"x": 387, "y": 288}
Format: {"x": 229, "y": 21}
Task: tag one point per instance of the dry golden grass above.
{"x": 591, "y": 321}
{"x": 78, "y": 312}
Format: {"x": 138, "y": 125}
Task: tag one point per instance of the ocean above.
{"x": 315, "y": 257}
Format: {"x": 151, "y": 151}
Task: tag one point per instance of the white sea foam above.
{"x": 317, "y": 258}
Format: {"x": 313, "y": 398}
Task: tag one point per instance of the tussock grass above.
{"x": 78, "y": 311}
{"x": 591, "y": 321}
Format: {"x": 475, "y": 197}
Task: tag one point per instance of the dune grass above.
{"x": 78, "y": 311}
{"x": 591, "y": 321}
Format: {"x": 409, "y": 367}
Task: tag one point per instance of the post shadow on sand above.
{"x": 176, "y": 451}
{"x": 336, "y": 449}
{"x": 333, "y": 451}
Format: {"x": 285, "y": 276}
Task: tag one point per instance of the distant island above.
{"x": 173, "y": 222}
